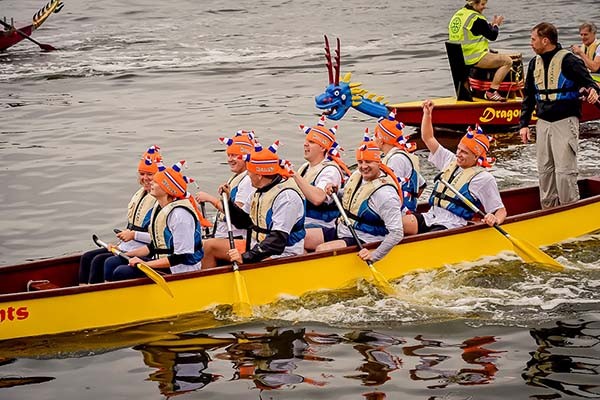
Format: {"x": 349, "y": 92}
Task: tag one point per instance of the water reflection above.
{"x": 481, "y": 372}
{"x": 567, "y": 360}
{"x": 11, "y": 381}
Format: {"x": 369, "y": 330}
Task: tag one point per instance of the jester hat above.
{"x": 264, "y": 161}
{"x": 478, "y": 144}
{"x": 242, "y": 143}
{"x": 150, "y": 159}
{"x": 369, "y": 151}
{"x": 390, "y": 132}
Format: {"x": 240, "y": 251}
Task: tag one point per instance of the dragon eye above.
{"x": 336, "y": 93}
{"x": 343, "y": 97}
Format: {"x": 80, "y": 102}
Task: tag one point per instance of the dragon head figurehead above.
{"x": 341, "y": 94}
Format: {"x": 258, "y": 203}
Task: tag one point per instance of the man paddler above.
{"x": 372, "y": 201}
{"x": 323, "y": 166}
{"x": 275, "y": 216}
{"x": 467, "y": 172}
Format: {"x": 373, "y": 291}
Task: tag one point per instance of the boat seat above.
{"x": 460, "y": 71}
{"x": 43, "y": 284}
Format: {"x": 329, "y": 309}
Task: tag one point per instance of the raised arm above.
{"x": 427, "y": 127}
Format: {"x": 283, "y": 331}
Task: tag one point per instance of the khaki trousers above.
{"x": 557, "y": 145}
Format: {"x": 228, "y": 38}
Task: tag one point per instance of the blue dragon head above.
{"x": 341, "y": 94}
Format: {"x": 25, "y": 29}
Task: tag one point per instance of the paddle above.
{"x": 380, "y": 280}
{"x": 242, "y": 307}
{"x": 206, "y": 228}
{"x": 45, "y": 47}
{"x": 527, "y": 251}
{"x": 150, "y": 273}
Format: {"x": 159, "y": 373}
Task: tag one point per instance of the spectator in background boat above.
{"x": 275, "y": 216}
{"x": 91, "y": 267}
{"x": 372, "y": 200}
{"x": 241, "y": 191}
{"x": 323, "y": 166}
{"x": 466, "y": 171}
{"x": 175, "y": 229}
{"x": 589, "y": 50}
{"x": 470, "y": 28}
{"x": 555, "y": 78}
{"x": 397, "y": 155}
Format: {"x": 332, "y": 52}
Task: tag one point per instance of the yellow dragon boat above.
{"x": 43, "y": 297}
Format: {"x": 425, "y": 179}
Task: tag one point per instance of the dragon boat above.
{"x": 454, "y": 113}
{"x": 10, "y": 37}
{"x": 42, "y": 298}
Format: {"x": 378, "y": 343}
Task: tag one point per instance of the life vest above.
{"x": 234, "y": 183}
{"x": 556, "y": 86}
{"x": 324, "y": 212}
{"x": 410, "y": 187}
{"x": 356, "y": 203}
{"x": 138, "y": 210}
{"x": 459, "y": 31}
{"x": 590, "y": 50}
{"x": 161, "y": 235}
{"x": 443, "y": 197}
{"x": 261, "y": 212}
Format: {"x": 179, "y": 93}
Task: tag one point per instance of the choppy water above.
{"x": 182, "y": 73}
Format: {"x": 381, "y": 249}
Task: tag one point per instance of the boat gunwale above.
{"x": 70, "y": 290}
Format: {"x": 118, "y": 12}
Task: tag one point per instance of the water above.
{"x": 182, "y": 73}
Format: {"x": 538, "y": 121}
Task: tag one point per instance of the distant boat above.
{"x": 10, "y": 37}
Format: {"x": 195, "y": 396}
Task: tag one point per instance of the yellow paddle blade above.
{"x": 242, "y": 308}
{"x": 381, "y": 282}
{"x": 530, "y": 253}
{"x": 156, "y": 277}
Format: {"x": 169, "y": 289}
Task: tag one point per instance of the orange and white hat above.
{"x": 266, "y": 162}
{"x": 391, "y": 132}
{"x": 242, "y": 143}
{"x": 150, "y": 159}
{"x": 320, "y": 135}
{"x": 172, "y": 181}
{"x": 478, "y": 144}
{"x": 369, "y": 151}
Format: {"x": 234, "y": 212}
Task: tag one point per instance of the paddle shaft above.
{"x": 469, "y": 204}
{"x": 229, "y": 226}
{"x": 206, "y": 228}
{"x": 26, "y": 36}
{"x": 348, "y": 224}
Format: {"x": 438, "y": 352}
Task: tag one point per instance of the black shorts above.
{"x": 329, "y": 234}
{"x": 423, "y": 228}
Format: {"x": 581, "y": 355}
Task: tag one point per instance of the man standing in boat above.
{"x": 589, "y": 50}
{"x": 372, "y": 200}
{"x": 397, "y": 152}
{"x": 555, "y": 78}
{"x": 275, "y": 216}
{"x": 323, "y": 166}
{"x": 470, "y": 29}
{"x": 241, "y": 191}
{"x": 466, "y": 171}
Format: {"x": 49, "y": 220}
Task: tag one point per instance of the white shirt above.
{"x": 483, "y": 187}
{"x": 329, "y": 174}
{"x": 183, "y": 227}
{"x": 288, "y": 209}
{"x": 402, "y": 168}
{"x": 243, "y": 196}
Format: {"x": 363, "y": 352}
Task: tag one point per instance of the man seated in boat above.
{"x": 466, "y": 171}
{"x": 275, "y": 216}
{"x": 397, "y": 152}
{"x": 91, "y": 266}
{"x": 175, "y": 229}
{"x": 323, "y": 166}
{"x": 470, "y": 29}
{"x": 240, "y": 190}
{"x": 372, "y": 200}
{"x": 589, "y": 50}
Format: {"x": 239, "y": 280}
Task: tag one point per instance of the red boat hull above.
{"x": 458, "y": 114}
{"x": 10, "y": 39}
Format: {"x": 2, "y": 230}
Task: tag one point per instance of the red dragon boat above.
{"x": 14, "y": 35}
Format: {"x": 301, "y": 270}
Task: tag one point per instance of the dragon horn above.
{"x": 337, "y": 63}
{"x": 328, "y": 59}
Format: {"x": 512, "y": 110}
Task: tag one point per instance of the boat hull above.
{"x": 72, "y": 309}
{"x": 458, "y": 114}
{"x": 12, "y": 38}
